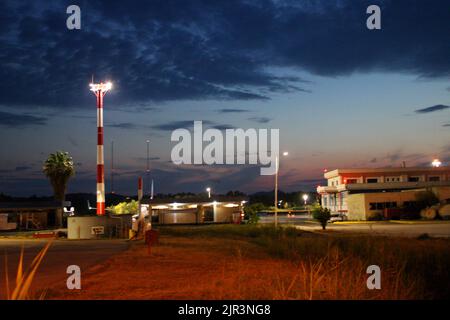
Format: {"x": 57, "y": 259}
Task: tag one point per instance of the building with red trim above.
{"x": 360, "y": 194}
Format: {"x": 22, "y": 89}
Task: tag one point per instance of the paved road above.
{"x": 62, "y": 253}
{"x": 399, "y": 228}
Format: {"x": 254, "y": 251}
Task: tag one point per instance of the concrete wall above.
{"x": 356, "y": 207}
{"x": 224, "y": 214}
{"x": 4, "y": 224}
{"x": 178, "y": 216}
{"x": 81, "y": 227}
{"x": 359, "y": 204}
{"x": 398, "y": 197}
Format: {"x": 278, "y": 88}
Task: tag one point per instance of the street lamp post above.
{"x": 209, "y": 192}
{"x": 100, "y": 90}
{"x": 277, "y": 166}
{"x": 305, "y": 199}
{"x": 147, "y": 173}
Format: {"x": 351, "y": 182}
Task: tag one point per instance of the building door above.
{"x": 51, "y": 218}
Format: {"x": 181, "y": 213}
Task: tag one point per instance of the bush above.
{"x": 125, "y": 208}
{"x": 251, "y": 212}
{"x": 322, "y": 215}
{"x": 423, "y": 236}
{"x": 410, "y": 215}
{"x": 375, "y": 216}
{"x": 426, "y": 199}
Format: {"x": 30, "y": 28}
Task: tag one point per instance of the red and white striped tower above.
{"x": 140, "y": 191}
{"x": 100, "y": 90}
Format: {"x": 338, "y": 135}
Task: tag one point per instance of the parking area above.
{"x": 394, "y": 228}
{"x": 389, "y": 228}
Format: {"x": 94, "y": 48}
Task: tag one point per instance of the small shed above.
{"x": 33, "y": 215}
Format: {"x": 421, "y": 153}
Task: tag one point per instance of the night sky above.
{"x": 341, "y": 95}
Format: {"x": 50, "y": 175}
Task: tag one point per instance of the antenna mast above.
{"x": 112, "y": 166}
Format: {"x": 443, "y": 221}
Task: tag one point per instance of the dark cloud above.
{"x": 124, "y": 125}
{"x": 435, "y": 108}
{"x": 173, "y": 125}
{"x": 22, "y": 168}
{"x": 222, "y": 126}
{"x": 169, "y": 126}
{"x": 260, "y": 119}
{"x": 231, "y": 110}
{"x": 145, "y": 158}
{"x": 8, "y": 119}
{"x": 174, "y": 50}
{"x": 310, "y": 184}
{"x": 186, "y": 124}
{"x": 446, "y": 125}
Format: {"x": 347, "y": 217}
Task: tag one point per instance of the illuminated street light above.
{"x": 305, "y": 198}
{"x": 100, "y": 90}
{"x": 209, "y": 192}
{"x": 276, "y": 187}
{"x": 436, "y": 163}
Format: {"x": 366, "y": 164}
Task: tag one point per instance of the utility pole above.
{"x": 112, "y": 166}
{"x": 276, "y": 191}
{"x": 147, "y": 182}
{"x": 277, "y": 166}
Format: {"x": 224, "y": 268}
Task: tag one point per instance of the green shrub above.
{"x": 131, "y": 207}
{"x": 375, "y": 216}
{"x": 426, "y": 199}
{"x": 251, "y": 212}
{"x": 322, "y": 215}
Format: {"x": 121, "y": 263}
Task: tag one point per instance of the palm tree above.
{"x": 59, "y": 168}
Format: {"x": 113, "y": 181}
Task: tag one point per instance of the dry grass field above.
{"x": 249, "y": 262}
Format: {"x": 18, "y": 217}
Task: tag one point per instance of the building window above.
{"x": 372, "y": 180}
{"x": 392, "y": 179}
{"x": 410, "y": 204}
{"x": 391, "y": 204}
{"x": 413, "y": 179}
{"x": 434, "y": 179}
{"x": 382, "y": 205}
{"x": 351, "y": 181}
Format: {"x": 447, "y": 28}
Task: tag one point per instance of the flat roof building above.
{"x": 218, "y": 209}
{"x": 32, "y": 215}
{"x": 363, "y": 192}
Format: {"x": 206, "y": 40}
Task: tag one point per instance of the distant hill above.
{"x": 78, "y": 200}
